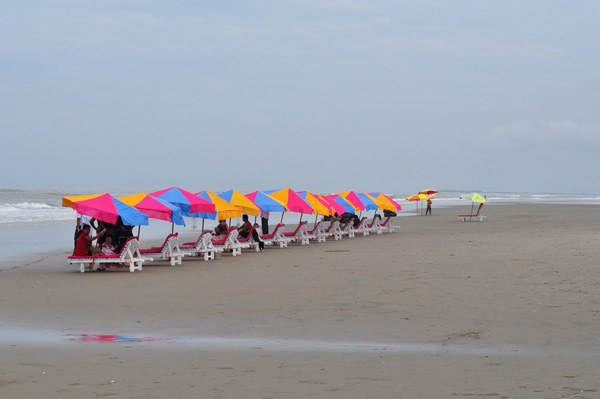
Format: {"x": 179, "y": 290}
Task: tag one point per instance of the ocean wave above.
{"x": 33, "y": 212}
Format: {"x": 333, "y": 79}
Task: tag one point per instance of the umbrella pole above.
{"x": 139, "y": 228}
{"x": 282, "y": 213}
{"x": 472, "y": 205}
{"x": 300, "y": 221}
{"x": 172, "y": 228}
{"x": 202, "y": 226}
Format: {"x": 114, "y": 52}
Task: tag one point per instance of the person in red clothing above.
{"x": 84, "y": 240}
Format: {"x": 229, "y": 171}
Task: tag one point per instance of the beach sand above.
{"x": 508, "y": 308}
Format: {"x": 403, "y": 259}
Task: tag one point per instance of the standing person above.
{"x": 428, "y": 211}
{"x": 264, "y": 218}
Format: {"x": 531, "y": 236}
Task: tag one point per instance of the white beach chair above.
{"x": 477, "y": 217}
{"x": 168, "y": 251}
{"x": 201, "y": 247}
{"x": 299, "y": 234}
{"x": 276, "y": 237}
{"x": 129, "y": 255}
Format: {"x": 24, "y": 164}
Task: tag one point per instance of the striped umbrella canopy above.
{"x": 224, "y": 209}
{"x": 369, "y": 203}
{"x": 265, "y": 202}
{"x": 346, "y": 207}
{"x": 240, "y": 201}
{"x": 109, "y": 209}
{"x": 353, "y": 199}
{"x": 155, "y": 208}
{"x": 291, "y": 200}
{"x": 320, "y": 206}
{"x": 68, "y": 201}
{"x": 386, "y": 202}
{"x": 417, "y": 197}
{"x": 429, "y": 191}
{"x": 188, "y": 202}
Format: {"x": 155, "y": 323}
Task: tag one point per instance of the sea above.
{"x": 33, "y": 222}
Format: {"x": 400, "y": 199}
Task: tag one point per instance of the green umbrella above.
{"x": 474, "y": 197}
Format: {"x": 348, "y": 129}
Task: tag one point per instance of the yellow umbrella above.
{"x": 68, "y": 201}
{"x": 429, "y": 191}
{"x": 242, "y": 202}
{"x": 418, "y": 197}
{"x": 319, "y": 206}
{"x": 224, "y": 209}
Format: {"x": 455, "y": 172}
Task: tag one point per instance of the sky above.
{"x": 323, "y": 95}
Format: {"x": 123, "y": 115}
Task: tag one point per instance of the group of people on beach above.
{"x": 109, "y": 238}
{"x": 244, "y": 230}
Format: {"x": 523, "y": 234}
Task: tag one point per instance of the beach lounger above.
{"x": 333, "y": 230}
{"x": 375, "y": 225}
{"x": 276, "y": 237}
{"x": 230, "y": 243}
{"x": 317, "y": 233}
{"x": 387, "y": 225}
{"x": 347, "y": 229}
{"x": 129, "y": 255}
{"x": 299, "y": 234}
{"x": 477, "y": 217}
{"x": 362, "y": 228}
{"x": 168, "y": 251}
{"x": 249, "y": 240}
{"x": 201, "y": 247}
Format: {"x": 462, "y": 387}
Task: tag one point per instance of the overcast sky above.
{"x": 321, "y": 95}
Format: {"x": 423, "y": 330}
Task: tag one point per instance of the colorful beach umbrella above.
{"x": 474, "y": 197}
{"x": 368, "y": 201}
{"x": 340, "y": 201}
{"x": 353, "y": 199}
{"x": 68, "y": 201}
{"x": 155, "y": 208}
{"x": 291, "y": 200}
{"x": 109, "y": 209}
{"x": 429, "y": 191}
{"x": 265, "y": 202}
{"x": 188, "y": 202}
{"x": 417, "y": 197}
{"x": 386, "y": 202}
{"x": 224, "y": 209}
{"x": 242, "y": 202}
{"x": 319, "y": 205}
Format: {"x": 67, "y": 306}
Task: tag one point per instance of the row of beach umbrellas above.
{"x": 172, "y": 204}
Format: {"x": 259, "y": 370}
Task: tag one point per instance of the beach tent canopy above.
{"x": 186, "y": 201}
{"x": 109, "y": 209}
{"x": 240, "y": 201}
{"x": 155, "y": 208}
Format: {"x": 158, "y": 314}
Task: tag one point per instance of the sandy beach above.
{"x": 508, "y": 308}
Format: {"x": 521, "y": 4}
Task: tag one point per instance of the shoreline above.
{"x": 508, "y": 307}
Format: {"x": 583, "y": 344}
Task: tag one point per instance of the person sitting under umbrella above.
{"x": 245, "y": 229}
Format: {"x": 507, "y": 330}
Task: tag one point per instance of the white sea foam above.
{"x": 32, "y": 212}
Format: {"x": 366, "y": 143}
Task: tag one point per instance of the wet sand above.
{"x": 508, "y": 308}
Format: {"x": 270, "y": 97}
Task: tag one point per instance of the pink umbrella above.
{"x": 186, "y": 201}
{"x": 353, "y": 199}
